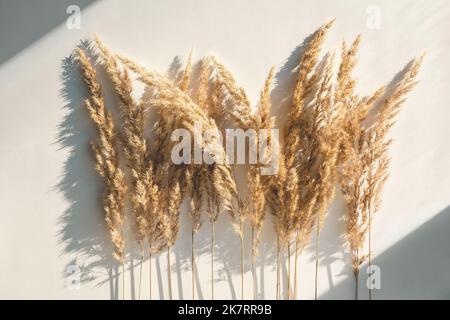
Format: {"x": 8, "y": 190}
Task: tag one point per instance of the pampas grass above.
{"x": 144, "y": 193}
{"x": 225, "y": 85}
{"x": 239, "y": 110}
{"x": 327, "y": 129}
{"x": 107, "y": 160}
{"x": 256, "y": 181}
{"x": 330, "y": 136}
{"x": 197, "y": 190}
{"x": 134, "y": 145}
{"x": 365, "y": 160}
{"x": 220, "y": 188}
{"x": 290, "y": 202}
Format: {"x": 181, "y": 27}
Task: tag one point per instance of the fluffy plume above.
{"x": 186, "y": 113}
{"x": 298, "y": 145}
{"x": 106, "y": 156}
{"x": 144, "y": 194}
{"x": 238, "y": 109}
{"x": 365, "y": 159}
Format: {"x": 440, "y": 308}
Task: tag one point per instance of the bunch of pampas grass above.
{"x": 288, "y": 195}
{"x": 239, "y": 110}
{"x": 144, "y": 191}
{"x": 220, "y": 185}
{"x": 317, "y": 170}
{"x": 329, "y": 136}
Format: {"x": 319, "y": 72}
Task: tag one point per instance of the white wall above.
{"x": 49, "y": 194}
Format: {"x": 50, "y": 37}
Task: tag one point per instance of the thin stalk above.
{"x": 242, "y": 260}
{"x": 193, "y": 262}
{"x": 123, "y": 270}
{"x": 150, "y": 268}
{"x": 356, "y": 273}
{"x": 370, "y": 251}
{"x": 212, "y": 258}
{"x": 289, "y": 270}
{"x": 317, "y": 257}
{"x": 369, "y": 229}
{"x": 169, "y": 276}
{"x": 278, "y": 269}
{"x": 253, "y": 263}
{"x": 295, "y": 264}
{"x": 123, "y": 279}
{"x": 140, "y": 271}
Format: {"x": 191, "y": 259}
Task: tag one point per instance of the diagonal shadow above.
{"x": 416, "y": 267}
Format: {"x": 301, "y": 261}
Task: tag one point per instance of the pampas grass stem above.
{"x": 317, "y": 256}
{"x": 356, "y": 274}
{"x": 369, "y": 255}
{"x": 241, "y": 236}
{"x": 213, "y": 223}
{"x": 140, "y": 273}
{"x": 169, "y": 273}
{"x": 289, "y": 270}
{"x": 296, "y": 264}
{"x": 193, "y": 262}
{"x": 150, "y": 269}
{"x": 278, "y": 269}
{"x": 253, "y": 263}
{"x": 123, "y": 280}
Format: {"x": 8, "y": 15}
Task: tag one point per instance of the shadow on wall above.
{"x": 23, "y": 22}
{"x": 417, "y": 267}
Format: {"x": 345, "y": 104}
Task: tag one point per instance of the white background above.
{"x": 50, "y": 216}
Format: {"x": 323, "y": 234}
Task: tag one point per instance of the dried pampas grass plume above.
{"x": 144, "y": 192}
{"x": 107, "y": 161}
{"x": 221, "y": 108}
{"x": 238, "y": 109}
{"x": 211, "y": 98}
{"x": 319, "y": 166}
{"x": 287, "y": 200}
{"x": 365, "y": 160}
{"x": 257, "y": 183}
{"x": 185, "y": 113}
